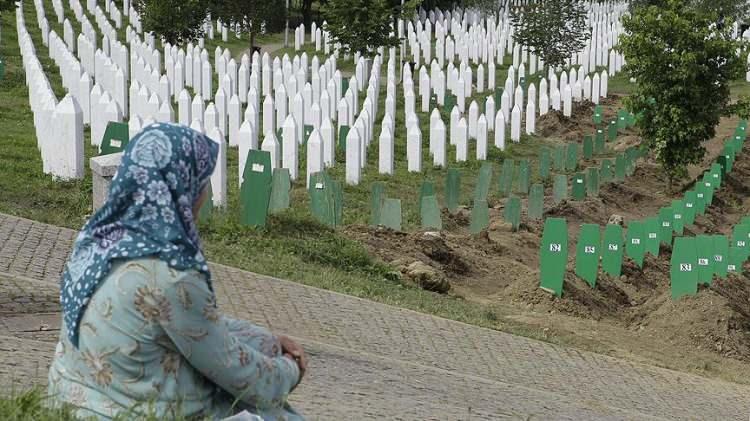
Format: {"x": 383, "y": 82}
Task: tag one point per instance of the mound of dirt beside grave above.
{"x": 555, "y": 125}
{"x": 500, "y": 267}
{"x": 715, "y": 320}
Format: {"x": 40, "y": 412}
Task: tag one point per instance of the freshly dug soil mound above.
{"x": 555, "y": 125}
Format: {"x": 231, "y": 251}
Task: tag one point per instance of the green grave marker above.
{"x": 666, "y": 218}
{"x": 605, "y": 173}
{"x": 716, "y": 175}
{"x": 729, "y": 153}
{"x": 512, "y": 213}
{"x": 635, "y": 243}
{"x": 344, "y": 85}
{"x": 498, "y": 97}
{"x": 506, "y": 177}
{"x": 683, "y": 272}
{"x": 343, "y": 133}
{"x": 482, "y": 189}
{"x": 592, "y": 186}
{"x": 704, "y": 247}
{"x": 678, "y": 212}
{"x": 587, "y": 253}
{"x": 427, "y": 189}
{"x": 571, "y": 162}
{"x": 544, "y": 164}
{"x": 579, "y": 186}
{"x": 450, "y": 102}
{"x": 612, "y": 131}
{"x": 560, "y": 188}
{"x": 740, "y": 239}
{"x": 204, "y": 214}
{"x": 115, "y": 138}
{"x": 599, "y": 142}
{"x": 700, "y": 199}
{"x": 721, "y": 255}
{"x": 708, "y": 190}
{"x": 308, "y": 129}
{"x": 631, "y": 156}
{"x": 735, "y": 260}
{"x": 622, "y": 119}
{"x": 588, "y": 147}
{"x": 723, "y": 161}
{"x": 452, "y": 189}
{"x": 480, "y": 217}
{"x": 652, "y": 235}
{"x": 536, "y": 202}
{"x": 338, "y": 202}
{"x": 322, "y": 201}
{"x": 255, "y": 193}
{"x": 738, "y": 139}
{"x": 598, "y": 114}
{"x": 745, "y": 220}
{"x": 553, "y": 255}
{"x": 391, "y": 214}
{"x": 612, "y": 250}
{"x": 281, "y": 185}
{"x": 430, "y": 213}
{"x": 376, "y": 203}
{"x": 524, "y": 176}
{"x": 620, "y": 168}
{"x": 688, "y": 212}
{"x": 558, "y": 159}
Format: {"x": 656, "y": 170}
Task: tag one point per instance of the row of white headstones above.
{"x": 288, "y": 107}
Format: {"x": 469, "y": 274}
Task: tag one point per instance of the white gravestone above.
{"x": 219, "y": 176}
{"x": 290, "y": 147}
{"x": 500, "y": 130}
{"x": 482, "y": 138}
{"x": 314, "y": 155}
{"x": 515, "y": 124}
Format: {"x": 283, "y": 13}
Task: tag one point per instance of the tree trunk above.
{"x": 307, "y": 13}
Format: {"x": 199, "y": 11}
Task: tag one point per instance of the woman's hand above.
{"x": 294, "y": 351}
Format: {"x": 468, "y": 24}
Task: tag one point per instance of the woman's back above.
{"x": 125, "y": 357}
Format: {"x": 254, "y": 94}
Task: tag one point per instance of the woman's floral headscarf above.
{"x": 149, "y": 212}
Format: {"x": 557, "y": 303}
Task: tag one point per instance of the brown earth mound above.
{"x": 555, "y": 125}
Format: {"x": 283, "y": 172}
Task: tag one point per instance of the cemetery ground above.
{"x": 494, "y": 275}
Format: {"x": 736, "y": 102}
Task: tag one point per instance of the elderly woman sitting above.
{"x": 141, "y": 332}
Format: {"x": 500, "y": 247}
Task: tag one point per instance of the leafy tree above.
{"x": 683, "y": 63}
{"x": 736, "y": 9}
{"x": 182, "y": 20}
{"x": 552, "y": 29}
{"x": 253, "y": 16}
{"x": 365, "y": 25}
{"x": 174, "y": 20}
